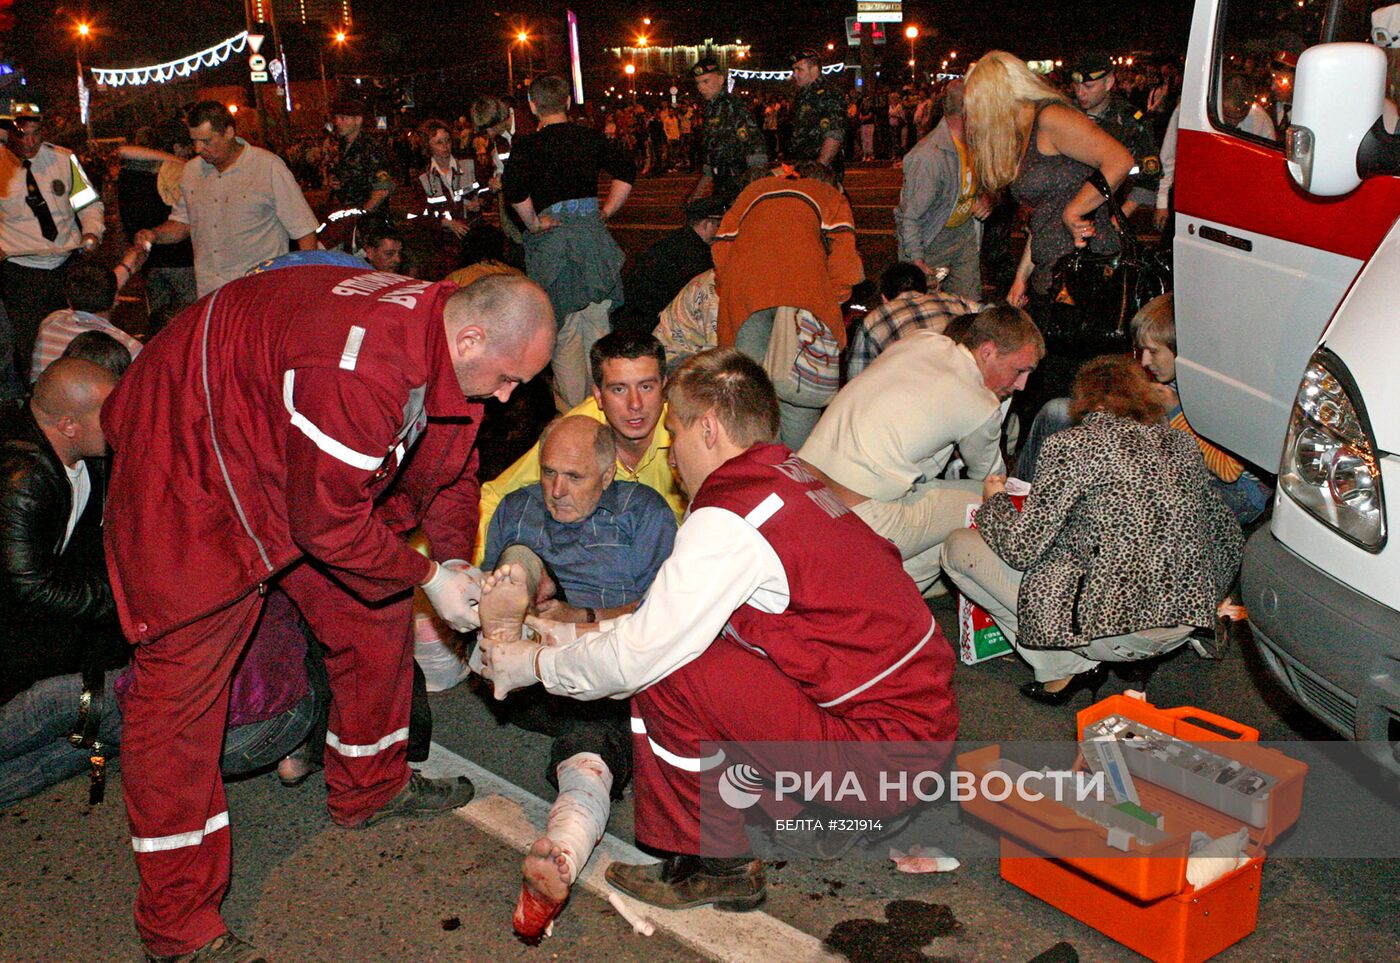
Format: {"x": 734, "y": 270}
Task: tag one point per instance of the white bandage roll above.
{"x": 579, "y": 816}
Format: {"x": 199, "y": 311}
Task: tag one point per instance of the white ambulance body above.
{"x": 1288, "y": 327}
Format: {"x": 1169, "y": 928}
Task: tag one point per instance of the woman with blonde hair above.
{"x": 1025, "y": 136}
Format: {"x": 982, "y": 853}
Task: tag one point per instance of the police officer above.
{"x": 733, "y": 140}
{"x": 818, "y": 116}
{"x": 1093, "y": 79}
{"x": 362, "y": 178}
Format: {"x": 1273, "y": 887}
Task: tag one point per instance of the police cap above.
{"x": 705, "y": 65}
{"x": 806, "y": 53}
{"x": 1093, "y": 65}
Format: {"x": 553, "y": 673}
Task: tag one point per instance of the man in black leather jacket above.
{"x": 59, "y": 631}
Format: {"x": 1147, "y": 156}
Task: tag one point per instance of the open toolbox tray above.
{"x": 1141, "y": 897}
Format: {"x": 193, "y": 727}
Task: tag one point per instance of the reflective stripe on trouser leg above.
{"x": 369, "y": 658}
{"x": 174, "y": 716}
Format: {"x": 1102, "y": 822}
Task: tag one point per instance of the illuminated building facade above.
{"x": 678, "y": 59}
{"x": 329, "y": 13}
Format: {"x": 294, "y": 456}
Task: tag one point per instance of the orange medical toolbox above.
{"x": 1141, "y": 897}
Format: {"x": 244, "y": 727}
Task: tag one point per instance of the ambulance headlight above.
{"x": 1330, "y": 465}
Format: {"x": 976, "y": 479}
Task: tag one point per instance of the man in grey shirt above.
{"x": 238, "y": 203}
{"x": 938, "y": 219}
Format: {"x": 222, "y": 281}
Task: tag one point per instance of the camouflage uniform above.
{"x": 733, "y": 143}
{"x": 818, "y": 113}
{"x": 1127, "y": 125}
{"x": 363, "y": 168}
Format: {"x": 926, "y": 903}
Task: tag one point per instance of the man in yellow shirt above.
{"x": 629, "y": 372}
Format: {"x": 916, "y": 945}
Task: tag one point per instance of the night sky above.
{"x": 447, "y": 32}
{"x": 463, "y": 45}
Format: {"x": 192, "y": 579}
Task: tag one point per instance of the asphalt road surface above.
{"x": 443, "y": 889}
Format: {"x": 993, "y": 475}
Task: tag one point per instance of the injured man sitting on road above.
{"x": 757, "y": 629}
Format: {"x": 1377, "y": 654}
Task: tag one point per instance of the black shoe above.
{"x": 1091, "y": 680}
{"x": 422, "y": 796}
{"x": 224, "y": 948}
{"x": 684, "y": 882}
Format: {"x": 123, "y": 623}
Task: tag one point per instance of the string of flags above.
{"x": 161, "y": 73}
{"x": 775, "y": 74}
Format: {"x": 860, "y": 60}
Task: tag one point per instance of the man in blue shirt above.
{"x": 591, "y": 547}
{"x": 602, "y": 541}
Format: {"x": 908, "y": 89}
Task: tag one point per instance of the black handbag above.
{"x": 1106, "y": 290}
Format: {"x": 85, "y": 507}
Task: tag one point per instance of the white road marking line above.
{"x": 515, "y": 816}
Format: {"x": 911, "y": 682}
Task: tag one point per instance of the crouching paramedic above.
{"x": 293, "y": 425}
{"x": 759, "y": 627}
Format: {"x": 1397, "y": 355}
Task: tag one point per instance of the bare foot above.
{"x": 546, "y": 870}
{"x": 542, "y": 892}
{"x": 505, "y": 597}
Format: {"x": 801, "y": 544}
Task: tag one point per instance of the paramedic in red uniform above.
{"x": 264, "y": 435}
{"x": 779, "y": 617}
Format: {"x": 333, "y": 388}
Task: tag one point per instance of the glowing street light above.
{"x": 912, "y": 33}
{"x": 646, "y": 21}
{"x": 631, "y": 71}
{"x": 84, "y": 30}
{"x": 641, "y": 41}
{"x": 830, "y": 46}
{"x": 339, "y": 38}
{"x": 522, "y": 37}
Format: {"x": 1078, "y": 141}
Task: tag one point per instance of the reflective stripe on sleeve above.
{"x": 322, "y": 440}
{"x": 371, "y": 749}
{"x": 687, "y": 763}
{"x": 159, "y": 844}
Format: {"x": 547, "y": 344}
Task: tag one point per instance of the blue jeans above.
{"x": 34, "y": 727}
{"x": 35, "y": 752}
{"x": 1053, "y": 417}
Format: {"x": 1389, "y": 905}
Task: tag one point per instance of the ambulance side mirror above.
{"x": 1337, "y": 137}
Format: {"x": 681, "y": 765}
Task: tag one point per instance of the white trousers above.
{"x": 985, "y": 579}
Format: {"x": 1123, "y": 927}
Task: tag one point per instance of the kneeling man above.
{"x": 757, "y": 628}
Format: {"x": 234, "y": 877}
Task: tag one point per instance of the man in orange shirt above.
{"x": 786, "y": 250}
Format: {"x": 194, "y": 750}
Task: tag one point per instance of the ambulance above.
{"x": 1287, "y": 274}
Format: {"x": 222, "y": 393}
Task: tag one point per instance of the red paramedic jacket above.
{"x": 856, "y": 637}
{"x": 277, "y": 418}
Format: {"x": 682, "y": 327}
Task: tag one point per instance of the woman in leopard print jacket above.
{"x": 1121, "y": 548}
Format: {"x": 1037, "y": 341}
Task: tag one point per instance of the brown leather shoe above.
{"x": 685, "y": 882}
{"x": 224, "y": 948}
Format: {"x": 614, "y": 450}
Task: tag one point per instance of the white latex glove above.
{"x": 454, "y": 591}
{"x": 551, "y": 632}
{"x": 509, "y": 665}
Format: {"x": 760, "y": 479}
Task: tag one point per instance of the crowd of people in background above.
{"x": 749, "y": 475}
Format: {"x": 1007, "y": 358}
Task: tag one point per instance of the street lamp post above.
{"x": 631, "y": 71}
{"x": 521, "y": 37}
{"x": 84, "y": 32}
{"x": 340, "y": 38}
{"x": 912, "y": 32}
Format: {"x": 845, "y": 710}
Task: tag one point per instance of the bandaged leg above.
{"x": 576, "y": 823}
